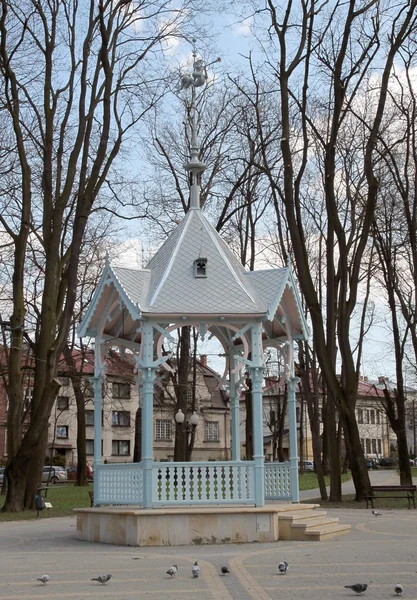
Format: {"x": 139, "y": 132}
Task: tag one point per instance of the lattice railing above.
{"x": 119, "y": 483}
{"x": 203, "y": 483}
{"x": 277, "y": 481}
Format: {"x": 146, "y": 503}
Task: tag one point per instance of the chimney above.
{"x": 381, "y": 379}
{"x": 365, "y": 379}
{"x": 203, "y": 360}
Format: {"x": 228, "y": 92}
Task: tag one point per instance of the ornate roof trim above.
{"x": 108, "y": 277}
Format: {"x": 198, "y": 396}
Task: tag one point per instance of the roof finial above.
{"x": 197, "y": 79}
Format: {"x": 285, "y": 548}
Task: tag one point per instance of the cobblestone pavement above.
{"x": 380, "y": 551}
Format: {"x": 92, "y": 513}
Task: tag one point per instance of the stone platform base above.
{"x": 131, "y": 526}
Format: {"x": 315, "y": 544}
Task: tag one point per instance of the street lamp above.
{"x": 180, "y": 418}
{"x": 194, "y": 419}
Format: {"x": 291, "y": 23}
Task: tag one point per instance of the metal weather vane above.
{"x": 198, "y": 78}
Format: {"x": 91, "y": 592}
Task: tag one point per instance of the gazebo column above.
{"x": 258, "y": 441}
{"x": 97, "y": 381}
{"x": 148, "y": 377}
{"x": 292, "y": 415}
{"x": 98, "y": 434}
{"x": 235, "y": 408}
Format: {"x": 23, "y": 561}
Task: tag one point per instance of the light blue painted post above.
{"x": 292, "y": 414}
{"x": 235, "y": 409}
{"x": 148, "y": 376}
{"x": 258, "y": 441}
{"x": 98, "y": 404}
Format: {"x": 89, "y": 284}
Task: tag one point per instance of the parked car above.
{"x": 388, "y": 462}
{"x": 308, "y": 466}
{"x": 372, "y": 463}
{"x": 53, "y": 474}
{"x": 1, "y": 475}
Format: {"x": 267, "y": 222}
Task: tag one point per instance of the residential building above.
{"x": 120, "y": 404}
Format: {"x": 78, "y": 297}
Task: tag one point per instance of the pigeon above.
{"x": 283, "y": 567}
{"x": 195, "y": 569}
{"x": 225, "y": 570}
{"x": 44, "y": 578}
{"x": 358, "y": 587}
{"x": 172, "y": 570}
{"x": 102, "y": 579}
{"x": 398, "y": 589}
{"x": 376, "y": 513}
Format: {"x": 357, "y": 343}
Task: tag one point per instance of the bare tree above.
{"x": 75, "y": 79}
{"x": 314, "y": 45}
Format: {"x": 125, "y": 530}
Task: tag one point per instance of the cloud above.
{"x": 243, "y": 28}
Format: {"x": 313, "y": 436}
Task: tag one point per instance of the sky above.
{"x": 234, "y": 43}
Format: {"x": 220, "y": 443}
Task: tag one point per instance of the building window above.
{"x": 62, "y": 403}
{"x": 120, "y": 418}
{"x": 89, "y": 447}
{"x": 28, "y": 395}
{"x": 121, "y": 391}
{"x": 298, "y": 414}
{"x": 211, "y": 431}
{"x": 163, "y": 429}
{"x": 367, "y": 417}
{"x": 120, "y": 447}
{"x": 89, "y": 418}
{"x": 189, "y": 393}
{"x": 374, "y": 447}
{"x": 62, "y": 432}
{"x": 363, "y": 444}
{"x": 360, "y": 416}
{"x": 200, "y": 267}
{"x": 372, "y": 417}
{"x": 379, "y": 447}
{"x": 378, "y": 417}
{"x": 368, "y": 446}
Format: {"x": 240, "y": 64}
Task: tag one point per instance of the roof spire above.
{"x": 198, "y": 78}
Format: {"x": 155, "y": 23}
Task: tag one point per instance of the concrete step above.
{"x": 326, "y": 532}
{"x": 287, "y": 519}
{"x": 299, "y": 529}
{"x": 301, "y": 514}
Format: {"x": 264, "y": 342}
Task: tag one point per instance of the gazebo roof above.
{"x": 168, "y": 287}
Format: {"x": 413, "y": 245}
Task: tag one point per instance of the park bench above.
{"x": 395, "y": 491}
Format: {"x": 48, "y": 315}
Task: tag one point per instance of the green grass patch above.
{"x": 308, "y": 481}
{"x": 349, "y": 502}
{"x": 63, "y": 497}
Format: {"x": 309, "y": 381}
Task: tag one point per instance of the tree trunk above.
{"x": 281, "y": 427}
{"x": 181, "y": 387}
{"x": 75, "y": 377}
{"x": 334, "y": 454}
{"x": 137, "y": 452}
{"x": 249, "y": 420}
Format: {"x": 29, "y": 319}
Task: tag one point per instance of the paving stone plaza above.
{"x": 380, "y": 551}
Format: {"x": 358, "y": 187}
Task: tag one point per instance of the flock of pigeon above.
{"x": 283, "y": 568}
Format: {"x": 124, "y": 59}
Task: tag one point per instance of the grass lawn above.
{"x": 379, "y": 503}
{"x": 308, "y": 481}
{"x": 63, "y": 497}
{"x": 349, "y": 502}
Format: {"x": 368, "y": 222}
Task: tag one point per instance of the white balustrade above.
{"x": 119, "y": 483}
{"x": 225, "y": 482}
{"x": 203, "y": 483}
{"x": 277, "y": 481}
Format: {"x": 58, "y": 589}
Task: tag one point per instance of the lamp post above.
{"x": 190, "y": 427}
